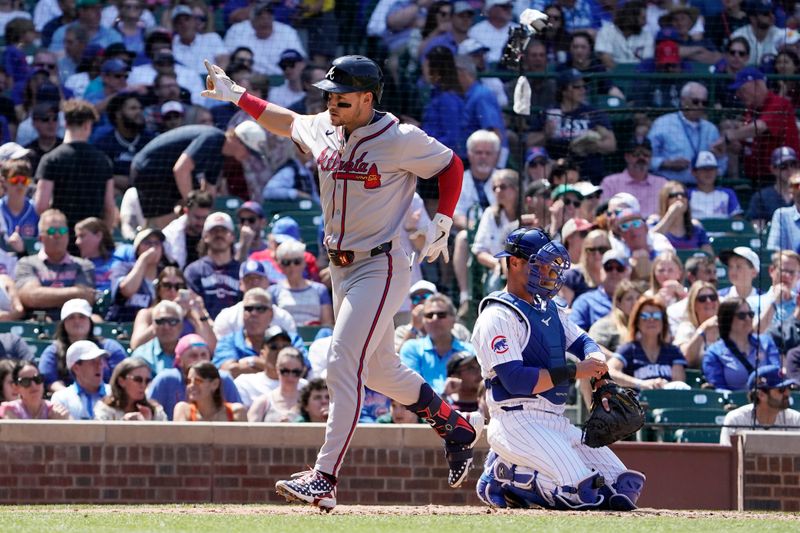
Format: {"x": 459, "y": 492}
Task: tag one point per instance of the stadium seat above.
{"x": 697, "y": 435}
{"x": 38, "y": 346}
{"x": 726, "y": 226}
{"x": 660, "y": 399}
{"x": 29, "y": 330}
{"x": 694, "y": 378}
{"x": 32, "y": 245}
{"x": 227, "y": 204}
{"x": 279, "y": 207}
{"x": 308, "y": 333}
{"x": 737, "y": 398}
{"x": 684, "y": 255}
{"x": 675, "y": 416}
{"x": 729, "y": 242}
{"x": 113, "y": 330}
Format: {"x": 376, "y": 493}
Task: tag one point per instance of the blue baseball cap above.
{"x": 534, "y": 153}
{"x": 769, "y": 377}
{"x": 252, "y": 267}
{"x": 745, "y": 75}
{"x": 114, "y": 66}
{"x": 285, "y": 228}
{"x": 783, "y": 154}
{"x": 250, "y": 205}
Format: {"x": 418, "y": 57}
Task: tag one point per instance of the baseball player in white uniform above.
{"x": 368, "y": 165}
{"x": 521, "y": 337}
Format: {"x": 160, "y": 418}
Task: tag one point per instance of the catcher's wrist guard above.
{"x": 563, "y": 373}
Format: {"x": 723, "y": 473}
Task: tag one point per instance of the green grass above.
{"x": 253, "y": 519}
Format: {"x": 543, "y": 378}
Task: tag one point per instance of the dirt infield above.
{"x": 370, "y": 510}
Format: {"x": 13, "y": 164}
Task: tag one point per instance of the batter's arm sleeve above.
{"x": 450, "y": 180}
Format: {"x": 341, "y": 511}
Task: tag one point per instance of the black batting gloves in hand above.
{"x": 219, "y": 86}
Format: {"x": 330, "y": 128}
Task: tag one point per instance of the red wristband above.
{"x": 252, "y": 105}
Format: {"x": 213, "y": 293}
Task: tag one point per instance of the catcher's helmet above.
{"x": 548, "y": 259}
{"x": 350, "y": 74}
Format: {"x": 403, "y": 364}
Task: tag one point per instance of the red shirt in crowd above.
{"x": 778, "y": 114}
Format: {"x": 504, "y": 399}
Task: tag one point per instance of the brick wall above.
{"x": 770, "y": 477}
{"x": 66, "y": 462}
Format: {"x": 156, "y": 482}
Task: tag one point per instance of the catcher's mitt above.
{"x": 624, "y": 416}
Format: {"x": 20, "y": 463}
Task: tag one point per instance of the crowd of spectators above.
{"x": 111, "y": 165}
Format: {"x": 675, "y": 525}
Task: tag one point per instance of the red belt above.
{"x": 343, "y": 258}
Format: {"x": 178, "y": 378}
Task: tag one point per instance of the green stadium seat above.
{"x": 694, "y": 377}
{"x": 695, "y": 398}
{"x": 32, "y": 245}
{"x": 684, "y": 255}
{"x": 113, "y": 330}
{"x": 227, "y": 204}
{"x": 279, "y": 207}
{"x": 723, "y": 226}
{"x": 38, "y": 346}
{"x": 737, "y": 398}
{"x": 682, "y": 415}
{"x": 308, "y": 333}
{"x": 29, "y": 330}
{"x": 697, "y": 435}
{"x": 729, "y": 242}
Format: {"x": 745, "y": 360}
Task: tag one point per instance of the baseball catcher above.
{"x": 538, "y": 457}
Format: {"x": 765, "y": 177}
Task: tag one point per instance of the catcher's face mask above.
{"x": 547, "y": 267}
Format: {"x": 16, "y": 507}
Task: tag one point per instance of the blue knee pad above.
{"x": 583, "y": 497}
{"x": 627, "y": 489}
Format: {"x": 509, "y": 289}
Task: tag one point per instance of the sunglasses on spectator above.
{"x": 654, "y": 315}
{"x": 541, "y": 162}
{"x": 61, "y": 230}
{"x": 247, "y": 220}
{"x": 679, "y": 194}
{"x": 140, "y": 380}
{"x": 27, "y": 382}
{"x": 45, "y": 66}
{"x": 437, "y": 315}
{"x": 48, "y": 118}
{"x": 287, "y": 262}
{"x": 613, "y": 267}
{"x": 568, "y": 202}
{"x": 787, "y": 165}
{"x": 120, "y": 76}
{"x": 703, "y": 298}
{"x": 739, "y": 53}
{"x": 172, "y": 286}
{"x": 597, "y": 250}
{"x": 296, "y": 372}
{"x": 256, "y": 308}
{"x": 170, "y": 321}
{"x": 420, "y": 297}
{"x": 744, "y": 315}
{"x": 638, "y": 223}
{"x": 19, "y": 180}
{"x": 699, "y": 102}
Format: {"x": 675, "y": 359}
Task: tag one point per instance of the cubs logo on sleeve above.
{"x": 499, "y": 344}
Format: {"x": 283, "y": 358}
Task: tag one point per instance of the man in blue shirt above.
{"x": 86, "y": 361}
{"x": 169, "y": 386}
{"x": 428, "y": 356}
{"x": 593, "y": 305}
{"x": 764, "y": 203}
{"x": 481, "y": 110}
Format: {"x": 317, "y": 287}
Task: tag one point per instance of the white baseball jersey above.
{"x": 368, "y": 180}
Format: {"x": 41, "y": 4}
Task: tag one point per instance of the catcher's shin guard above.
{"x": 583, "y": 497}
{"x": 623, "y": 494}
{"x": 517, "y": 489}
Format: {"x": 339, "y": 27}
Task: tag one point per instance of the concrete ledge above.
{"x": 771, "y": 442}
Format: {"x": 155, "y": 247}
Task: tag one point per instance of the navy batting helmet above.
{"x": 548, "y": 259}
{"x": 350, "y": 74}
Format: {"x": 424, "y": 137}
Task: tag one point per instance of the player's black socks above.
{"x": 445, "y": 420}
{"x": 331, "y": 478}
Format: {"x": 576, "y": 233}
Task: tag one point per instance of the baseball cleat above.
{"x": 459, "y": 456}
{"x": 308, "y": 487}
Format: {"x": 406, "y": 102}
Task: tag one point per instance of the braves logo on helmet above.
{"x": 500, "y": 344}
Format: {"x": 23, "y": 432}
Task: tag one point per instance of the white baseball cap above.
{"x": 705, "y": 159}
{"x": 84, "y": 351}
{"x": 218, "y": 220}
{"x": 626, "y": 199}
{"x": 574, "y": 225}
{"x": 252, "y": 136}
{"x": 172, "y": 107}
{"x": 12, "y": 150}
{"x": 471, "y": 46}
{"x": 76, "y": 305}
{"x": 745, "y": 253}
{"x": 422, "y": 285}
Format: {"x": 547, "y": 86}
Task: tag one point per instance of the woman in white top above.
{"x": 127, "y": 400}
{"x": 281, "y": 404}
{"x": 309, "y": 302}
{"x": 699, "y": 328}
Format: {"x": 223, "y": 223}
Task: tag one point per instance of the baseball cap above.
{"x": 769, "y": 377}
{"x": 145, "y": 233}
{"x": 705, "y": 159}
{"x": 289, "y": 57}
{"x": 747, "y": 74}
{"x": 115, "y": 49}
{"x": 76, "y": 305}
{"x": 262, "y": 5}
{"x": 626, "y": 199}
{"x": 250, "y": 205}
{"x": 461, "y": 7}
{"x": 458, "y": 360}
{"x": 471, "y": 46}
{"x": 745, "y": 253}
{"x": 667, "y": 53}
{"x": 172, "y": 107}
{"x": 252, "y": 136}
{"x": 536, "y": 152}
{"x": 568, "y": 76}
{"x": 615, "y": 255}
{"x": 758, "y": 7}
{"x": 575, "y": 225}
{"x": 784, "y": 154}
{"x": 634, "y": 144}
{"x": 422, "y": 285}
{"x": 114, "y": 66}
{"x": 561, "y": 190}
{"x": 164, "y": 57}
{"x": 252, "y": 267}
{"x": 12, "y": 150}
{"x": 587, "y": 188}
{"x": 491, "y": 3}
{"x": 181, "y": 10}
{"x": 218, "y": 220}
{"x": 276, "y": 331}
{"x": 44, "y": 110}
{"x": 83, "y": 351}
{"x": 192, "y": 340}
{"x": 285, "y": 228}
